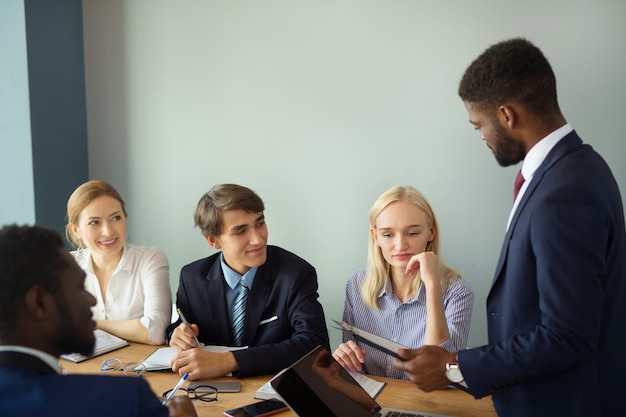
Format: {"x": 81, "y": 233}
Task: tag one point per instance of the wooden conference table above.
{"x": 398, "y": 394}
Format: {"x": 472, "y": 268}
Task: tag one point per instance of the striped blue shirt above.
{"x": 404, "y": 323}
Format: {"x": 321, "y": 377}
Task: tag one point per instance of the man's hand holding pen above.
{"x": 185, "y": 336}
{"x": 198, "y": 363}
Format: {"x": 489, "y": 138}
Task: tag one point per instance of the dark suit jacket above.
{"x": 558, "y": 300}
{"x": 285, "y": 287}
{"x": 29, "y": 388}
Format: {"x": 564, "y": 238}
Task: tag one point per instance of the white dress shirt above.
{"x": 139, "y": 289}
{"x": 534, "y": 158}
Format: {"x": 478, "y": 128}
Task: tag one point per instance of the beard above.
{"x": 506, "y": 151}
{"x": 71, "y": 337}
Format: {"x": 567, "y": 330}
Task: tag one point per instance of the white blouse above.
{"x": 139, "y": 288}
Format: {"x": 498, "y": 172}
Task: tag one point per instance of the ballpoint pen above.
{"x": 175, "y": 389}
{"x": 184, "y": 320}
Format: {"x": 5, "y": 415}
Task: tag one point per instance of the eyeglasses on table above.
{"x": 129, "y": 368}
{"x": 204, "y": 393}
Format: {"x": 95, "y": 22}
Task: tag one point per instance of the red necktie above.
{"x": 519, "y": 180}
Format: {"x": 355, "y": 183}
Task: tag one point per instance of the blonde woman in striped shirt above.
{"x": 406, "y": 294}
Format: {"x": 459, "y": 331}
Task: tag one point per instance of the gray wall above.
{"x": 322, "y": 106}
{"x": 17, "y": 201}
{"x": 43, "y": 132}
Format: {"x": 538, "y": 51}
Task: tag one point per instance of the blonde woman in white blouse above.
{"x": 130, "y": 283}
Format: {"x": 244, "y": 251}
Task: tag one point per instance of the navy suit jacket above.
{"x": 29, "y": 388}
{"x": 284, "y": 287}
{"x": 557, "y": 303}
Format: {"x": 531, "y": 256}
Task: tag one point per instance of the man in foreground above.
{"x": 45, "y": 311}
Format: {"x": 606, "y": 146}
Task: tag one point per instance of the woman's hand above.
{"x": 428, "y": 265}
{"x": 350, "y": 356}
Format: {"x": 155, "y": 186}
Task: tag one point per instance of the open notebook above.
{"x": 317, "y": 385}
{"x": 161, "y": 358}
{"x": 105, "y": 342}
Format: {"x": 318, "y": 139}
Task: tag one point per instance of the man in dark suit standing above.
{"x": 557, "y": 303}
{"x": 248, "y": 294}
{"x": 45, "y": 311}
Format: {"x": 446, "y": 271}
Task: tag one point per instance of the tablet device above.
{"x": 377, "y": 342}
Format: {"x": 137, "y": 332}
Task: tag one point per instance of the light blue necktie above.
{"x": 239, "y": 313}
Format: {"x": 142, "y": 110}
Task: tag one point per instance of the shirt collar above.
{"x": 533, "y": 159}
{"x": 125, "y": 264}
{"x": 48, "y": 359}
{"x": 233, "y": 277}
{"x": 126, "y": 261}
{"x": 387, "y": 289}
{"x": 538, "y": 153}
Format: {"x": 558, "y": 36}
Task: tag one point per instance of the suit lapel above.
{"x": 564, "y": 146}
{"x": 215, "y": 290}
{"x": 263, "y": 283}
{"x": 216, "y": 302}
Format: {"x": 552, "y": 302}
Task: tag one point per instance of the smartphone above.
{"x": 222, "y": 386}
{"x": 260, "y": 409}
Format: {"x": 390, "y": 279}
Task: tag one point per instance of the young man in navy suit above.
{"x": 557, "y": 303}
{"x": 45, "y": 311}
{"x": 282, "y": 318}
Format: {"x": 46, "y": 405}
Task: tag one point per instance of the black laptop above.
{"x": 317, "y": 385}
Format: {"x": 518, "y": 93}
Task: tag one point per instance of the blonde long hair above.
{"x": 378, "y": 270}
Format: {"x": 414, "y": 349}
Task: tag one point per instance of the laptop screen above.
{"x": 317, "y": 385}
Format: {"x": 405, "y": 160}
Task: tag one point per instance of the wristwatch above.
{"x": 453, "y": 372}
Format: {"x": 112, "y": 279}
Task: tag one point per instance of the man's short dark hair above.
{"x": 221, "y": 198}
{"x": 514, "y": 70}
{"x": 29, "y": 256}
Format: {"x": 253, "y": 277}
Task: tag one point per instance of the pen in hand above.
{"x": 184, "y": 320}
{"x": 175, "y": 389}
